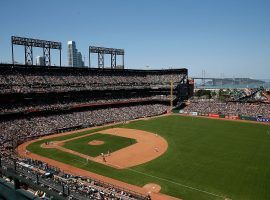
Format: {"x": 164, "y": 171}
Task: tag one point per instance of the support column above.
{"x": 123, "y": 61}
{"x": 113, "y": 60}
{"x": 47, "y": 56}
{"x": 12, "y": 53}
{"x": 28, "y": 55}
{"x": 0, "y": 166}
{"x": 16, "y": 184}
{"x": 63, "y": 190}
{"x": 89, "y": 59}
{"x": 101, "y": 60}
{"x": 15, "y": 166}
{"x": 37, "y": 179}
{"x": 60, "y": 57}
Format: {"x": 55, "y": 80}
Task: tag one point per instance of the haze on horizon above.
{"x": 225, "y": 38}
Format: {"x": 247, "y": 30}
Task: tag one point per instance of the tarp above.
{"x": 221, "y": 116}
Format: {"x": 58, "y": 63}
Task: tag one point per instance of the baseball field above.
{"x": 191, "y": 157}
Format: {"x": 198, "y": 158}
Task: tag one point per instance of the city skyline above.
{"x": 224, "y": 38}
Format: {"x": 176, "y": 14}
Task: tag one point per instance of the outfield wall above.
{"x": 233, "y": 117}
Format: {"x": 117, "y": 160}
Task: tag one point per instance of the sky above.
{"x": 226, "y": 38}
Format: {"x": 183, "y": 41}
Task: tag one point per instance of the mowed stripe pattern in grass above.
{"x": 229, "y": 159}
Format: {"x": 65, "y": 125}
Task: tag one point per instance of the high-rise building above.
{"x": 40, "y": 61}
{"x": 80, "y": 62}
{"x": 74, "y": 56}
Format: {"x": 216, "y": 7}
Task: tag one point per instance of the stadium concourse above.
{"x": 37, "y": 101}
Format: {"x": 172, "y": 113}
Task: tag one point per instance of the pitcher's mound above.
{"x": 96, "y": 142}
{"x": 152, "y": 187}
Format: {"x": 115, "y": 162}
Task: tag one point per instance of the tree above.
{"x": 201, "y": 93}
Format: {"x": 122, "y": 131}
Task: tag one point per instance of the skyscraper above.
{"x": 40, "y": 61}
{"x": 72, "y": 54}
{"x": 74, "y": 57}
{"x": 80, "y": 62}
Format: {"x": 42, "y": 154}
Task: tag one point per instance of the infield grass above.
{"x": 111, "y": 143}
{"x": 206, "y": 159}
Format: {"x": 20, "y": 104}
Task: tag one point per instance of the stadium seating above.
{"x": 229, "y": 108}
{"x": 37, "y": 101}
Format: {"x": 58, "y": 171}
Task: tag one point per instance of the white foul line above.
{"x": 186, "y": 186}
{"x": 203, "y": 191}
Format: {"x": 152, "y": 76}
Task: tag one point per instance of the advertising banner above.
{"x": 261, "y": 119}
{"x": 194, "y": 113}
{"x": 213, "y": 115}
{"x": 248, "y": 118}
{"x": 232, "y": 117}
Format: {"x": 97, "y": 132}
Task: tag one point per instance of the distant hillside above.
{"x": 234, "y": 81}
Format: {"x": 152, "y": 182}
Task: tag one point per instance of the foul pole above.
{"x": 171, "y": 95}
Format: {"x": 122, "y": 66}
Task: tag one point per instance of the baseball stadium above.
{"x": 135, "y": 100}
{"x": 99, "y": 133}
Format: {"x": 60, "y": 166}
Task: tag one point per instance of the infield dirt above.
{"x": 148, "y": 147}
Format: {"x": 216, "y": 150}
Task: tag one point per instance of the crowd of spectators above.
{"x": 26, "y": 81}
{"x": 23, "y": 129}
{"x": 20, "y": 129}
{"x": 67, "y": 104}
{"x": 229, "y": 108}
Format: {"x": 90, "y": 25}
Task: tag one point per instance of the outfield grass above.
{"x": 206, "y": 159}
{"x": 111, "y": 143}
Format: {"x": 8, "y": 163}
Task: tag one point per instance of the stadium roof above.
{"x": 8, "y": 192}
{"x": 183, "y": 70}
